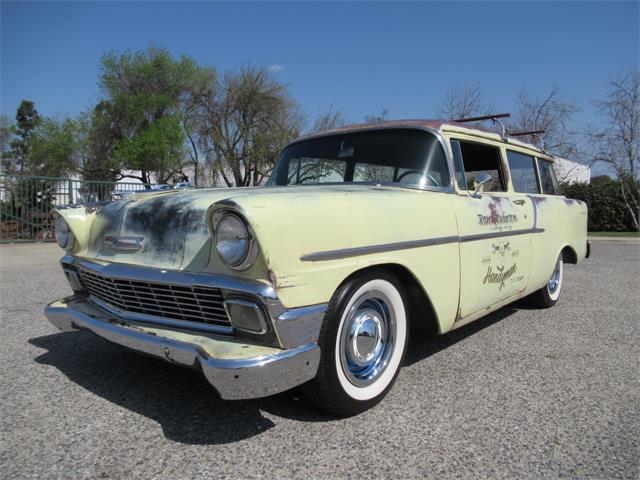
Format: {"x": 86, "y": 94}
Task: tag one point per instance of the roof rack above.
{"x": 526, "y": 132}
{"x": 494, "y": 117}
{"x": 534, "y": 133}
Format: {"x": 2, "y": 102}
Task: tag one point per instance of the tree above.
{"x": 203, "y": 86}
{"x": 51, "y": 147}
{"x": 617, "y": 142}
{"x": 551, "y": 113}
{"x": 464, "y": 102}
{"x": 141, "y": 110}
{"x": 379, "y": 118}
{"x": 329, "y": 120}
{"x": 246, "y": 117}
{"x": 27, "y": 119}
{"x": 101, "y": 130}
{"x": 6, "y": 134}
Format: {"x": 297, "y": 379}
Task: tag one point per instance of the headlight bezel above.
{"x": 61, "y": 224}
{"x": 251, "y": 252}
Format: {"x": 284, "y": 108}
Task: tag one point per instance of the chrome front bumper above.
{"x": 235, "y": 369}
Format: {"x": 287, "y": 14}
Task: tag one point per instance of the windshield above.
{"x": 405, "y": 156}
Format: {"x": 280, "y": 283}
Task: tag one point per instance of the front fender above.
{"x": 291, "y": 227}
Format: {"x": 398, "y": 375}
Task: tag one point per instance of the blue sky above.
{"x": 359, "y": 57}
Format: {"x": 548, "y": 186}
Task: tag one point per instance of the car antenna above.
{"x": 494, "y": 117}
{"x": 534, "y": 133}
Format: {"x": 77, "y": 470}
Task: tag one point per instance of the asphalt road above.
{"x": 520, "y": 394}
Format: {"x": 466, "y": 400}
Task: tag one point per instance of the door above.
{"x": 494, "y": 228}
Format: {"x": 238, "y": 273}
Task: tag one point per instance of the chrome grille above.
{"x": 177, "y": 302}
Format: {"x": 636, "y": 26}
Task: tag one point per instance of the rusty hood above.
{"x": 163, "y": 230}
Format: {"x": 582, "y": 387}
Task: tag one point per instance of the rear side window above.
{"x": 548, "y": 180}
{"x": 523, "y": 172}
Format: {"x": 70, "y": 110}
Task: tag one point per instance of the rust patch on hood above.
{"x": 172, "y": 228}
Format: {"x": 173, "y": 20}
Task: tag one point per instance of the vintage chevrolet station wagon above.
{"x": 361, "y": 236}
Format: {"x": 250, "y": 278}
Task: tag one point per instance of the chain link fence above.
{"x": 26, "y": 202}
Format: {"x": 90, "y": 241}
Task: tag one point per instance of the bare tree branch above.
{"x": 464, "y": 102}
{"x": 331, "y": 119}
{"x": 617, "y": 143}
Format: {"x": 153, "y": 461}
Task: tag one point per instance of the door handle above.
{"x": 519, "y": 202}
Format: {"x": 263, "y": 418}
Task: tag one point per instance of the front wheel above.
{"x": 548, "y": 295}
{"x": 362, "y": 343}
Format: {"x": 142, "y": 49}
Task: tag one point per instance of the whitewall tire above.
{"x": 548, "y": 295}
{"x": 362, "y": 341}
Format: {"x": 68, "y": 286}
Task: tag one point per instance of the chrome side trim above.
{"x": 510, "y": 233}
{"x": 368, "y": 250}
{"x": 389, "y": 247}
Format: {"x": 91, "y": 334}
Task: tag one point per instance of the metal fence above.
{"x": 26, "y": 202}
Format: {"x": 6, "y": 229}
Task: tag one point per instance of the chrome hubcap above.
{"x": 367, "y": 338}
{"x": 554, "y": 282}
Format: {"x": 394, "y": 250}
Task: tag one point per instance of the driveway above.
{"x": 520, "y": 394}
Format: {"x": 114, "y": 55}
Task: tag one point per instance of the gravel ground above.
{"x": 519, "y": 394}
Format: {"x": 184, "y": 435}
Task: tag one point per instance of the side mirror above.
{"x": 479, "y": 181}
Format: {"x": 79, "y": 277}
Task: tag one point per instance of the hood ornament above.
{"x": 123, "y": 244}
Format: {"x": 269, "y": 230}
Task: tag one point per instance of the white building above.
{"x": 572, "y": 172}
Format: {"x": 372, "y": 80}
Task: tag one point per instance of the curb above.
{"x": 621, "y": 240}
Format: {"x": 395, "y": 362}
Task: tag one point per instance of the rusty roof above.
{"x": 423, "y": 123}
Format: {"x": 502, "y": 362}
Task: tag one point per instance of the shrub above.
{"x": 607, "y": 209}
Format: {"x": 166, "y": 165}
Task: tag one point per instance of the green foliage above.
{"x": 52, "y": 145}
{"x": 156, "y": 108}
{"x": 101, "y": 137}
{"x": 607, "y": 208}
{"x": 27, "y": 119}
{"x": 26, "y": 207}
{"x": 6, "y": 133}
{"x": 156, "y": 148}
{"x": 140, "y": 117}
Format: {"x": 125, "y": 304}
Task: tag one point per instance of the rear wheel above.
{"x": 362, "y": 343}
{"x": 548, "y": 295}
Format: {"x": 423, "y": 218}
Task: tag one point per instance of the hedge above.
{"x": 607, "y": 210}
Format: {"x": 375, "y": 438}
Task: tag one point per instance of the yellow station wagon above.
{"x": 316, "y": 278}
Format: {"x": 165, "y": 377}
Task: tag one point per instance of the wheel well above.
{"x": 569, "y": 255}
{"x": 422, "y": 316}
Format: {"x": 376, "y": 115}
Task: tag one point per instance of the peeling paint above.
{"x": 165, "y": 222}
{"x": 273, "y": 279}
{"x": 537, "y": 200}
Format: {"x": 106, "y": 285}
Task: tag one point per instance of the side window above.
{"x": 472, "y": 159}
{"x": 548, "y": 180}
{"x": 523, "y": 172}
{"x": 458, "y": 165}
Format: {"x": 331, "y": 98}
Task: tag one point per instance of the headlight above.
{"x": 63, "y": 233}
{"x": 232, "y": 239}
